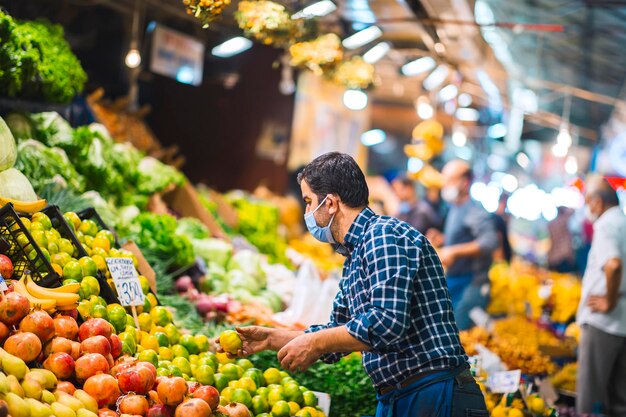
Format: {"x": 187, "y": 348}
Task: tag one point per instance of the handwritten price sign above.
{"x": 504, "y": 382}
{"x": 126, "y": 281}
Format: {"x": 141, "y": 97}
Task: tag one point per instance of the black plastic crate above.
{"x": 11, "y": 227}
{"x": 91, "y": 214}
{"x": 59, "y": 223}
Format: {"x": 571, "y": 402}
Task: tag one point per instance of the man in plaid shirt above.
{"x": 393, "y": 304}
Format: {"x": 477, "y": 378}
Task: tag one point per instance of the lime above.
{"x": 88, "y": 227}
{"x": 274, "y": 395}
{"x": 260, "y": 405}
{"x": 88, "y": 266}
{"x": 130, "y": 321}
{"x": 127, "y": 337}
{"x": 36, "y": 227}
{"x": 293, "y": 393}
{"x": 223, "y": 358}
{"x": 60, "y": 258}
{"x": 53, "y": 248}
{"x": 245, "y": 364}
{"x": 145, "y": 322}
{"x": 85, "y": 308}
{"x": 294, "y": 407}
{"x": 182, "y": 364}
{"x": 262, "y": 391}
{"x": 284, "y": 374}
{"x": 72, "y": 270}
{"x": 173, "y": 334}
{"x": 107, "y": 234}
{"x": 39, "y": 236}
{"x": 281, "y": 409}
{"x": 180, "y": 351}
{"x": 272, "y": 376}
{"x": 230, "y": 371}
{"x": 202, "y": 342}
{"x": 286, "y": 380}
{"x": 165, "y": 353}
{"x": 189, "y": 342}
{"x": 227, "y": 394}
{"x": 230, "y": 341}
{"x": 25, "y": 222}
{"x": 89, "y": 286}
{"x": 247, "y": 383}
{"x": 100, "y": 242}
{"x": 45, "y": 253}
{"x": 161, "y": 316}
{"x": 233, "y": 384}
{"x": 66, "y": 246}
{"x": 163, "y": 372}
{"x": 306, "y": 413}
{"x": 174, "y": 370}
{"x": 242, "y": 396}
{"x": 43, "y": 219}
{"x": 73, "y": 219}
{"x": 150, "y": 342}
{"x": 99, "y": 312}
{"x": 303, "y": 389}
{"x": 204, "y": 374}
{"x": 309, "y": 398}
{"x": 263, "y": 415}
{"x": 221, "y": 381}
{"x": 145, "y": 284}
{"x": 162, "y": 339}
{"x": 256, "y": 375}
{"x": 149, "y": 355}
{"x": 164, "y": 363}
{"x": 100, "y": 262}
{"x": 22, "y": 240}
{"x": 194, "y": 359}
{"x": 95, "y": 299}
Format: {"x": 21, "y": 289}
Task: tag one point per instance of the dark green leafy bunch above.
{"x": 350, "y": 388}
{"x": 36, "y": 62}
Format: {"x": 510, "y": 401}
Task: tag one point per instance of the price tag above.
{"x": 126, "y": 281}
{"x": 323, "y": 401}
{"x": 504, "y": 382}
{"x": 3, "y": 284}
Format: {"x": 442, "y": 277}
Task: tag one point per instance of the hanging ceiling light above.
{"x": 355, "y": 99}
{"x": 373, "y": 137}
{"x": 436, "y": 78}
{"x": 465, "y": 100}
{"x": 571, "y": 165}
{"x": 376, "y": 53}
{"x": 232, "y": 47}
{"x": 448, "y": 92}
{"x": 418, "y": 66}
{"x": 362, "y": 38}
{"x": 467, "y": 114}
{"x": 318, "y": 9}
{"x": 459, "y": 138}
{"x": 133, "y": 56}
{"x": 559, "y": 150}
{"x": 424, "y": 109}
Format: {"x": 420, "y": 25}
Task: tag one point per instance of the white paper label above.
{"x": 126, "y": 281}
{"x": 323, "y": 401}
{"x": 504, "y": 382}
{"x": 3, "y": 284}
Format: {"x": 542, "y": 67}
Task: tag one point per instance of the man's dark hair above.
{"x": 336, "y": 173}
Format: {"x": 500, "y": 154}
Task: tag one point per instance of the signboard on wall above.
{"x": 177, "y": 55}
{"x": 321, "y": 123}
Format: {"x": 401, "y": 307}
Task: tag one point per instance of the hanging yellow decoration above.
{"x": 205, "y": 10}
{"x": 317, "y": 55}
{"x": 355, "y": 73}
{"x": 267, "y": 22}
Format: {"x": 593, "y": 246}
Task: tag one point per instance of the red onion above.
{"x": 233, "y": 305}
{"x": 184, "y": 284}
{"x": 204, "y": 304}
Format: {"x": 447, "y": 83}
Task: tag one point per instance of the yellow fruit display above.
{"x": 565, "y": 379}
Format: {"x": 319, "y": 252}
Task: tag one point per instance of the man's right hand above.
{"x": 255, "y": 339}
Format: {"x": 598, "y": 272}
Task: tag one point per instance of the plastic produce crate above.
{"x": 59, "y": 223}
{"x": 11, "y": 231}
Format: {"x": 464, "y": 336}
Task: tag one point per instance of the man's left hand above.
{"x": 300, "y": 353}
{"x": 446, "y": 256}
{"x": 599, "y": 304}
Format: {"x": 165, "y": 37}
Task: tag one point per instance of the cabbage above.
{"x": 272, "y": 300}
{"x": 249, "y": 262}
{"x": 13, "y": 184}
{"x": 240, "y": 280}
{"x": 8, "y": 153}
{"x": 213, "y": 251}
{"x": 20, "y": 126}
{"x": 193, "y": 228}
{"x": 52, "y": 129}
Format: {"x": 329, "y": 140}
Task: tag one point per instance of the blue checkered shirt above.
{"x": 393, "y": 297}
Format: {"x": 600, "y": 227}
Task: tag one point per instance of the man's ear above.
{"x": 333, "y": 204}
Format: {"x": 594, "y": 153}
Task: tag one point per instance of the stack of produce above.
{"x": 13, "y": 184}
{"x": 36, "y": 62}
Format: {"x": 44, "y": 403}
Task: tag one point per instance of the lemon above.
{"x": 281, "y": 409}
{"x": 42, "y": 219}
{"x": 101, "y": 242}
{"x": 88, "y": 227}
{"x": 230, "y": 341}
{"x": 515, "y": 412}
{"x": 88, "y": 266}
{"x": 73, "y": 219}
{"x": 165, "y": 353}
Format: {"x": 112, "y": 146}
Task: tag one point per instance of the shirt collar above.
{"x": 356, "y": 229}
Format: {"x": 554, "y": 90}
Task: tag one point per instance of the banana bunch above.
{"x": 24, "y": 206}
{"x": 64, "y": 297}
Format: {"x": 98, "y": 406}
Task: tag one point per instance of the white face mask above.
{"x": 589, "y": 215}
{"x": 450, "y": 194}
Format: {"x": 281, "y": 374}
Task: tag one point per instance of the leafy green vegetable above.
{"x": 37, "y": 63}
{"x": 155, "y": 176}
{"x": 213, "y": 251}
{"x": 351, "y": 390}
{"x": 193, "y": 228}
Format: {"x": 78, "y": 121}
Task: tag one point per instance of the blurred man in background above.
{"x": 601, "y": 377}
{"x": 412, "y": 209}
{"x": 469, "y": 240}
{"x": 561, "y": 253}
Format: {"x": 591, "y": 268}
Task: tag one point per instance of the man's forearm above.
{"x": 338, "y": 340}
{"x": 466, "y": 250}
{"x": 613, "y": 271}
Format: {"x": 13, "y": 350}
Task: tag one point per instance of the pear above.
{"x": 61, "y": 410}
{"x": 71, "y": 402}
{"x": 17, "y": 406}
{"x": 83, "y": 412}
{"x": 38, "y": 409}
{"x": 47, "y": 397}
{"x": 14, "y": 366}
{"x": 36, "y": 376}
{"x": 4, "y": 384}
{"x": 32, "y": 388}
{"x": 14, "y": 386}
{"x": 88, "y": 401}
{"x": 50, "y": 378}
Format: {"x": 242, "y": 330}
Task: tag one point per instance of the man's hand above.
{"x": 447, "y": 256}
{"x": 255, "y": 339}
{"x": 600, "y": 304}
{"x": 300, "y": 353}
{"x": 435, "y": 237}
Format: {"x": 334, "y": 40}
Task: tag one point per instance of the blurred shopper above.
{"x": 433, "y": 198}
{"x": 504, "y": 253}
{"x": 469, "y": 240}
{"x": 601, "y": 379}
{"x": 561, "y": 253}
{"x": 412, "y": 209}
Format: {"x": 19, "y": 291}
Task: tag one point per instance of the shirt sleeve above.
{"x": 388, "y": 317}
{"x": 606, "y": 239}
{"x": 338, "y": 317}
{"x": 483, "y": 227}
